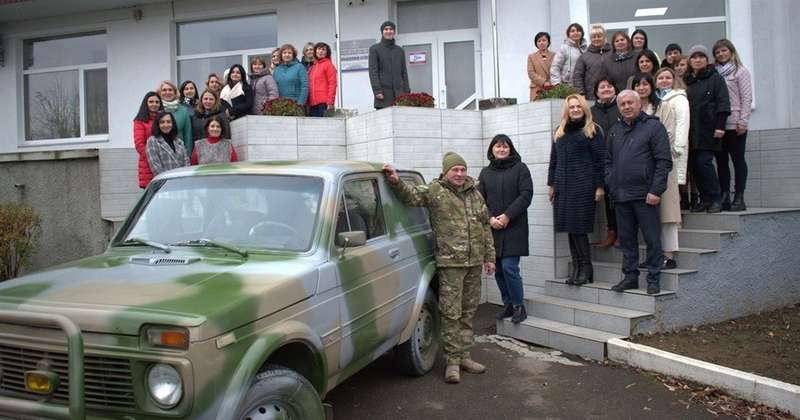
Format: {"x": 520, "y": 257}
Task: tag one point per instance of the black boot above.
{"x": 715, "y": 207}
{"x": 685, "y": 201}
{"x": 738, "y": 202}
{"x": 507, "y": 311}
{"x": 575, "y": 266}
{"x": 700, "y": 206}
{"x": 586, "y": 272}
{"x": 694, "y": 198}
{"x": 625, "y": 284}
{"x": 726, "y": 201}
{"x": 520, "y": 314}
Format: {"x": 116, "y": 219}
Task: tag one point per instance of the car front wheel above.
{"x": 417, "y": 355}
{"x": 281, "y": 393}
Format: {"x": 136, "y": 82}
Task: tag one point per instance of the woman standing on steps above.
{"x": 507, "y": 187}
{"x": 605, "y": 114}
{"x": 740, "y": 92}
{"x": 575, "y": 177}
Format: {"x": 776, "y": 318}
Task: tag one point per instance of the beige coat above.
{"x": 539, "y": 71}
{"x": 680, "y": 146}
{"x": 671, "y": 199}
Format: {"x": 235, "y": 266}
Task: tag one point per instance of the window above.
{"x": 212, "y": 46}
{"x": 436, "y": 15}
{"x": 684, "y": 22}
{"x": 65, "y": 87}
{"x": 360, "y": 209}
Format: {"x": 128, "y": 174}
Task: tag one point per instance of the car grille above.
{"x": 108, "y": 382}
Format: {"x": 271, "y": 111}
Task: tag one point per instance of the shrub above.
{"x": 559, "y": 91}
{"x": 19, "y": 228}
{"x": 283, "y": 107}
{"x": 421, "y": 99}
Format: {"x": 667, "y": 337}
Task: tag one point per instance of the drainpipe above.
{"x": 495, "y": 52}
{"x": 338, "y": 55}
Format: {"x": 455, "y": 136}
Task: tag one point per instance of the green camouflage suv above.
{"x": 237, "y": 291}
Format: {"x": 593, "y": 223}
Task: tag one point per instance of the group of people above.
{"x": 184, "y": 126}
{"x": 701, "y": 100}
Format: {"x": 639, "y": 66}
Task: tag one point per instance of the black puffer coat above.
{"x": 709, "y": 107}
{"x": 606, "y": 115}
{"x": 620, "y": 67}
{"x": 576, "y": 170}
{"x": 508, "y": 189}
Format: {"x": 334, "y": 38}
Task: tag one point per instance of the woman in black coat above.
{"x": 575, "y": 177}
{"x": 709, "y": 107}
{"x": 605, "y": 114}
{"x": 508, "y": 189}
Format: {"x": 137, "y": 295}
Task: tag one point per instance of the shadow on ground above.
{"x": 521, "y": 383}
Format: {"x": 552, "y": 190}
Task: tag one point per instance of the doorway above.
{"x": 445, "y": 64}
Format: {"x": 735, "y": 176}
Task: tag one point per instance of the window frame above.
{"x": 83, "y": 138}
{"x": 245, "y": 54}
{"x": 340, "y": 200}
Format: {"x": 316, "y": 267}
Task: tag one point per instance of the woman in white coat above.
{"x": 672, "y": 90}
{"x": 567, "y": 56}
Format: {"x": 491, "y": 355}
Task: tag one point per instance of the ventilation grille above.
{"x": 108, "y": 380}
{"x": 162, "y": 260}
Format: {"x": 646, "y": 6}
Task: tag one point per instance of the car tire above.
{"x": 417, "y": 355}
{"x": 279, "y": 392}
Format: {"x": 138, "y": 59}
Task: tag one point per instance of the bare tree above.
{"x": 54, "y": 112}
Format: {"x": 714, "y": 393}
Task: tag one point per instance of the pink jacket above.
{"x": 740, "y": 91}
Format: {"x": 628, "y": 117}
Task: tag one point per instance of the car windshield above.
{"x": 270, "y": 212}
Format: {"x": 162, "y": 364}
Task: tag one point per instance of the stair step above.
{"x": 601, "y": 293}
{"x": 703, "y": 238}
{"x": 584, "y": 342}
{"x": 687, "y": 258}
{"x": 584, "y": 314}
{"x": 611, "y": 272}
{"x": 720, "y": 221}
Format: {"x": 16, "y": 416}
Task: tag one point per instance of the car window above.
{"x": 251, "y": 211}
{"x": 360, "y": 209}
{"x": 418, "y": 215}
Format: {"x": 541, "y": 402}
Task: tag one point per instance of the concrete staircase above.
{"x": 581, "y": 319}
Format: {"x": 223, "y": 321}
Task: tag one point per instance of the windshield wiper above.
{"x": 140, "y": 241}
{"x": 213, "y": 243}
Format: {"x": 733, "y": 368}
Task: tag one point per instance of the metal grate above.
{"x": 108, "y": 381}
{"x": 160, "y": 260}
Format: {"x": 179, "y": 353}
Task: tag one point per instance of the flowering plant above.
{"x": 559, "y": 91}
{"x": 283, "y": 107}
{"x": 421, "y": 99}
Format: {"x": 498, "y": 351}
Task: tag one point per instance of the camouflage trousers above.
{"x": 459, "y": 294}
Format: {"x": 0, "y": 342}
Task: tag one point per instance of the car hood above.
{"x": 211, "y": 295}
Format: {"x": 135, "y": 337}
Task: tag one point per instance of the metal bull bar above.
{"x": 77, "y": 403}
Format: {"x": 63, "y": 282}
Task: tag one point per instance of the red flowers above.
{"x": 283, "y": 107}
{"x": 421, "y": 99}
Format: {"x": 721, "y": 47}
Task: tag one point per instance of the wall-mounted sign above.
{"x": 355, "y": 54}
{"x": 418, "y": 57}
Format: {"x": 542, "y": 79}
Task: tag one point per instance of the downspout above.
{"x": 495, "y": 52}
{"x": 338, "y": 55}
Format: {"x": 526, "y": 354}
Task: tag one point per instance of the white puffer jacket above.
{"x": 564, "y": 62}
{"x": 680, "y": 146}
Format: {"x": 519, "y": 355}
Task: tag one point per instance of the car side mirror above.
{"x": 351, "y": 239}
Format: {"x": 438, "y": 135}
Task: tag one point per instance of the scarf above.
{"x": 254, "y": 76}
{"x": 228, "y": 93}
{"x": 171, "y": 106}
{"x": 212, "y": 140}
{"x": 661, "y": 93}
{"x": 726, "y": 69}
{"x": 190, "y": 102}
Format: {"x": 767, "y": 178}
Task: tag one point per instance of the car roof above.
{"x": 320, "y": 168}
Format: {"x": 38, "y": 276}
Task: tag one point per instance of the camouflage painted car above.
{"x": 243, "y": 291}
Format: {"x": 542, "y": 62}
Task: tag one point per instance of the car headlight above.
{"x": 165, "y": 385}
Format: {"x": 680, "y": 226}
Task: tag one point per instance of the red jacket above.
{"x": 141, "y": 132}
{"x": 322, "y": 82}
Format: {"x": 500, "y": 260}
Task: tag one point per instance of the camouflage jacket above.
{"x": 460, "y": 221}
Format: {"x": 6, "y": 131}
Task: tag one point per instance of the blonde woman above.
{"x": 575, "y": 178}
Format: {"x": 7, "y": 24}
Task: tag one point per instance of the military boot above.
{"x": 452, "y": 375}
{"x": 471, "y": 366}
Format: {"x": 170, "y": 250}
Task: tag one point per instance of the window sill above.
{"x": 63, "y": 142}
{"x": 49, "y": 155}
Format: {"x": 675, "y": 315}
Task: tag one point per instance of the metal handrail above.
{"x": 77, "y": 402}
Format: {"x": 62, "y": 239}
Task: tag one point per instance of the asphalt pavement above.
{"x": 522, "y": 382}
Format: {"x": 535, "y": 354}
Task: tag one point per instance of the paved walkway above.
{"x": 522, "y": 383}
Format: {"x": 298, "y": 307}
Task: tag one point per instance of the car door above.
{"x": 366, "y": 273}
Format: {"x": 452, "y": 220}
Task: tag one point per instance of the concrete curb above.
{"x": 751, "y": 387}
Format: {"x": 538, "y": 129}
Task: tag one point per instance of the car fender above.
{"x": 258, "y": 353}
{"x": 425, "y": 281}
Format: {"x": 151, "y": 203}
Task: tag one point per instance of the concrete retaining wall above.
{"x": 64, "y": 188}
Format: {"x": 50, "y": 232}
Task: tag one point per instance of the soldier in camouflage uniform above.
{"x": 464, "y": 246}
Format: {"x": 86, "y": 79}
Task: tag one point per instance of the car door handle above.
{"x": 394, "y": 252}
